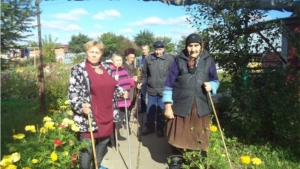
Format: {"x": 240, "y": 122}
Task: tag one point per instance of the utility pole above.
{"x": 41, "y": 66}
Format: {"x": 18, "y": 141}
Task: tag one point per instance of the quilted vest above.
{"x": 189, "y": 87}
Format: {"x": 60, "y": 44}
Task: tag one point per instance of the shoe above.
{"x": 176, "y": 162}
{"x": 160, "y": 132}
{"x": 121, "y": 138}
{"x": 149, "y": 130}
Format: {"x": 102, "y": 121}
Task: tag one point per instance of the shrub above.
{"x": 52, "y": 145}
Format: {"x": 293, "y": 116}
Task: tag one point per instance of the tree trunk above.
{"x": 41, "y": 66}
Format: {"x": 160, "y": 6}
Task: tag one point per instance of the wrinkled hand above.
{"x": 124, "y": 94}
{"x": 169, "y": 114}
{"x": 86, "y": 108}
{"x": 139, "y": 85}
{"x": 207, "y": 86}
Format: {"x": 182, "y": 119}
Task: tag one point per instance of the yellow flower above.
{"x": 213, "y": 128}
{"x": 19, "y": 136}
{"x": 34, "y": 161}
{"x": 74, "y": 128}
{"x": 30, "y": 128}
{"x": 256, "y": 161}
{"x": 43, "y": 130}
{"x": 51, "y": 110}
{"x": 70, "y": 113}
{"x": 15, "y": 157}
{"x": 66, "y": 153}
{"x": 245, "y": 159}
{"x": 67, "y": 102}
{"x": 26, "y": 168}
{"x": 54, "y": 156}
{"x": 10, "y": 166}
{"x": 47, "y": 119}
{"x": 56, "y": 111}
{"x": 223, "y": 155}
{"x": 49, "y": 124}
{"x": 63, "y": 107}
{"x": 6, "y": 160}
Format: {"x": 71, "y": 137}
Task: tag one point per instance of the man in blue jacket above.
{"x": 154, "y": 73}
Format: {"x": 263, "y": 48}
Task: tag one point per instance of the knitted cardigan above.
{"x": 79, "y": 93}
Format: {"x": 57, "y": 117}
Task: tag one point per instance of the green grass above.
{"x": 15, "y": 114}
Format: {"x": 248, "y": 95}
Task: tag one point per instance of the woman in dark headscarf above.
{"x": 187, "y": 106}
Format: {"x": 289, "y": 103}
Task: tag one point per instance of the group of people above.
{"x": 176, "y": 88}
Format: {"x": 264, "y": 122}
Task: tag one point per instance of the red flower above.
{"x": 62, "y": 126}
{"x": 74, "y": 158}
{"x": 57, "y": 142}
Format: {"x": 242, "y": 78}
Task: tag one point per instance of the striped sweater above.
{"x": 124, "y": 81}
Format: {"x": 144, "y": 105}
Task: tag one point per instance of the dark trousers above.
{"x": 86, "y": 155}
{"x": 155, "y": 111}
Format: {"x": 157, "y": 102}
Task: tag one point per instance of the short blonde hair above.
{"x": 93, "y": 43}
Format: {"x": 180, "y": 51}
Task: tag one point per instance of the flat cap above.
{"x": 158, "y": 44}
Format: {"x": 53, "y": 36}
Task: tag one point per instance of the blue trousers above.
{"x": 155, "y": 111}
{"x": 86, "y": 155}
{"x": 143, "y": 98}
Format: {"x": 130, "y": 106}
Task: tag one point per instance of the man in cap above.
{"x": 192, "y": 75}
{"x": 154, "y": 72}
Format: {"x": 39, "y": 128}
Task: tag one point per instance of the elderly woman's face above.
{"x": 93, "y": 55}
{"x": 193, "y": 49}
{"x": 117, "y": 61}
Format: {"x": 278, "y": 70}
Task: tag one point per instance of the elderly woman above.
{"x": 126, "y": 82}
{"x": 93, "y": 91}
{"x": 187, "y": 106}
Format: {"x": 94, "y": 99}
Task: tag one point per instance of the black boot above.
{"x": 176, "y": 161}
{"x": 160, "y": 132}
{"x": 150, "y": 129}
{"x": 121, "y": 138}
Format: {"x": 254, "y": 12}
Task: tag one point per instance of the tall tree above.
{"x": 49, "y": 46}
{"x": 169, "y": 45}
{"x": 76, "y": 45}
{"x": 111, "y": 42}
{"x": 180, "y": 45}
{"x": 124, "y": 43}
{"x": 16, "y": 22}
{"x": 144, "y": 37}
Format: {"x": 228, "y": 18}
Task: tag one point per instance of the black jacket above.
{"x": 154, "y": 73}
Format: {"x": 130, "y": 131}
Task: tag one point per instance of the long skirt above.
{"x": 191, "y": 132}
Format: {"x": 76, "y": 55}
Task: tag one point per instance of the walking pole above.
{"x": 126, "y": 116}
{"x": 93, "y": 144}
{"x": 116, "y": 137}
{"x": 136, "y": 108}
{"x": 212, "y": 105}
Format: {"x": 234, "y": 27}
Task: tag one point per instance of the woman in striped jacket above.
{"x": 126, "y": 82}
